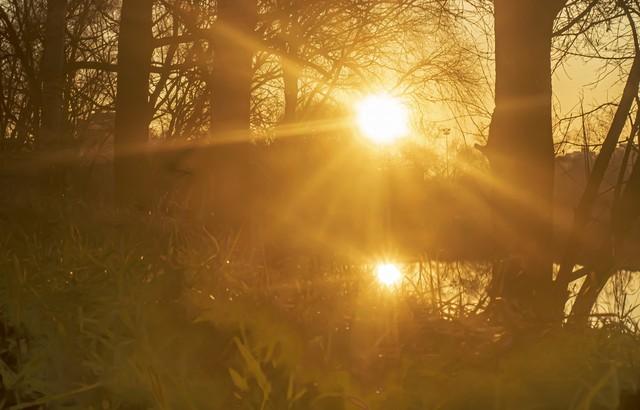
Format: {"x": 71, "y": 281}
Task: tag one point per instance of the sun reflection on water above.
{"x": 388, "y": 274}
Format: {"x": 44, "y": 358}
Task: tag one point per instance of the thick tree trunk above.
{"x": 53, "y": 75}
{"x": 520, "y": 149}
{"x": 132, "y": 101}
{"x": 233, "y": 42}
{"x": 233, "y": 45}
{"x": 51, "y": 138}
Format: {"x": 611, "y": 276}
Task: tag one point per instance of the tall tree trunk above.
{"x": 291, "y": 88}
{"x": 51, "y": 136}
{"x": 520, "y": 150}
{"x": 132, "y": 117}
{"x": 290, "y": 67}
{"x": 52, "y": 71}
{"x": 233, "y": 45}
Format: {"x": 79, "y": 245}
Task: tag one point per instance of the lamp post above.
{"x": 446, "y": 132}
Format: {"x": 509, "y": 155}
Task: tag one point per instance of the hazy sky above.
{"x": 577, "y": 78}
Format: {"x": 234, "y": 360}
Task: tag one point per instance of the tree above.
{"x": 53, "y": 74}
{"x": 21, "y": 85}
{"x": 520, "y": 150}
{"x": 234, "y": 46}
{"x": 133, "y": 115}
{"x": 609, "y": 259}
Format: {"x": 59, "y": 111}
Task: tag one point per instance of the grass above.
{"x": 115, "y": 310}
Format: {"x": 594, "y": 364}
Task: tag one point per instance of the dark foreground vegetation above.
{"x": 104, "y": 309}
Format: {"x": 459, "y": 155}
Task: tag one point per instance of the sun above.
{"x": 388, "y": 274}
{"x": 382, "y": 118}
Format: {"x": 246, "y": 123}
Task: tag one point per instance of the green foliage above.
{"x": 104, "y": 310}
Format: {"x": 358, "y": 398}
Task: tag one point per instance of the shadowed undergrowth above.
{"x": 110, "y": 310}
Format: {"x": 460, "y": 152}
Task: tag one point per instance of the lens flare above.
{"x": 382, "y": 118}
{"x": 388, "y": 274}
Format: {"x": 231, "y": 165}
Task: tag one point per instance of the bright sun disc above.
{"x": 388, "y": 274}
{"x": 382, "y": 118}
